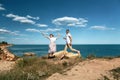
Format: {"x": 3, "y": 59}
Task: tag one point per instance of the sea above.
{"x": 101, "y": 50}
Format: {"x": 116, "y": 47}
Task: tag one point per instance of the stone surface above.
{"x": 5, "y": 54}
{"x": 29, "y": 54}
{"x": 67, "y": 54}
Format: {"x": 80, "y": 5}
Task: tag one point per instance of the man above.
{"x": 68, "y": 39}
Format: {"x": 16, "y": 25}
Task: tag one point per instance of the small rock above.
{"x": 29, "y": 54}
{"x": 40, "y": 73}
{"x": 67, "y": 55}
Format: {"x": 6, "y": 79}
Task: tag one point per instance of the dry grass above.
{"x": 34, "y": 68}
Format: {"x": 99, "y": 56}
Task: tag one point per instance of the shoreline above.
{"x": 5, "y": 45}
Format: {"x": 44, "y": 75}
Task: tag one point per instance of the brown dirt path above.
{"x": 88, "y": 70}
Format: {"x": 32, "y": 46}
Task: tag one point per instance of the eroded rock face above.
{"x": 5, "y": 54}
{"x": 67, "y": 54}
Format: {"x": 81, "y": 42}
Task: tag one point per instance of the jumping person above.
{"x": 52, "y": 45}
{"x": 68, "y": 39}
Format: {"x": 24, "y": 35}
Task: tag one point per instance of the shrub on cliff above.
{"x": 4, "y": 42}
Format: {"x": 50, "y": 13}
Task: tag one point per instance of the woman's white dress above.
{"x": 52, "y": 45}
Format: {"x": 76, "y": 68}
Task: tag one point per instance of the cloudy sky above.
{"x": 89, "y": 21}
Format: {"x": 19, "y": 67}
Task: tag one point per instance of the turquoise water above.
{"x": 40, "y": 50}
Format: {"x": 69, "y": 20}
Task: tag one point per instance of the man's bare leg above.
{"x": 64, "y": 53}
{"x": 72, "y": 49}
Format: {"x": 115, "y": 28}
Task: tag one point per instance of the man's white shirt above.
{"x": 68, "y": 38}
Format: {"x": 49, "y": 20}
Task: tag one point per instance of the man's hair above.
{"x": 67, "y": 30}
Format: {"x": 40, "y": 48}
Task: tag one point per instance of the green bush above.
{"x": 4, "y": 42}
{"x": 91, "y": 56}
{"x": 116, "y": 73}
{"x": 26, "y": 61}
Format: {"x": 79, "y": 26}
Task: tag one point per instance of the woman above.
{"x": 52, "y": 45}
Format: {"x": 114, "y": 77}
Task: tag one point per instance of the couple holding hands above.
{"x": 52, "y": 45}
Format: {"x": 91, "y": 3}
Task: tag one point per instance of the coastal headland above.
{"x": 42, "y": 68}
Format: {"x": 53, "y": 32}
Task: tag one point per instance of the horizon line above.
{"x": 64, "y": 44}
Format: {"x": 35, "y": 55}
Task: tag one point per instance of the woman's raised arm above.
{"x": 46, "y": 36}
{"x": 58, "y": 35}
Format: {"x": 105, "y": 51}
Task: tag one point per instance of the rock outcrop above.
{"x": 66, "y": 54}
{"x": 29, "y": 54}
{"x": 5, "y": 54}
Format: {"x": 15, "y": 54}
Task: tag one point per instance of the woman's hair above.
{"x": 51, "y": 35}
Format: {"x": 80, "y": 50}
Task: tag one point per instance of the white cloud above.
{"x": 30, "y": 17}
{"x": 51, "y": 30}
{"x": 5, "y": 31}
{"x": 45, "y": 30}
{"x": 2, "y": 37}
{"x": 101, "y": 28}
{"x": 32, "y": 30}
{"x": 70, "y": 21}
{"x": 21, "y": 39}
{"x": 2, "y": 8}
{"x": 16, "y": 33}
{"x": 20, "y": 19}
{"x": 42, "y": 25}
{"x": 18, "y": 38}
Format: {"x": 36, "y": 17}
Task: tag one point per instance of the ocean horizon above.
{"x": 99, "y": 50}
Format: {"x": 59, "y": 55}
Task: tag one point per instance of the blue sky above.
{"x": 89, "y": 21}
